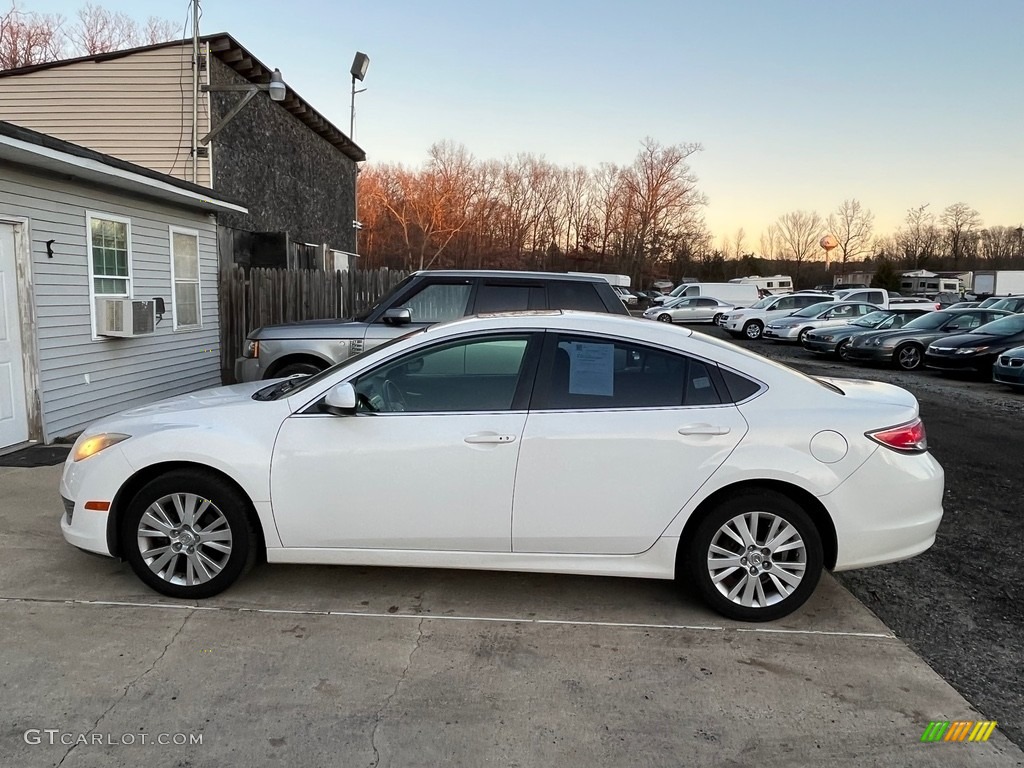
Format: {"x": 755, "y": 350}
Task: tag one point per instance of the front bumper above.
{"x": 965, "y": 363}
{"x": 97, "y": 478}
{"x": 781, "y": 334}
{"x": 1009, "y": 371}
{"x": 819, "y": 346}
{"x": 869, "y": 354}
{"x": 248, "y": 369}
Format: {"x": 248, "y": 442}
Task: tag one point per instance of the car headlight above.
{"x": 93, "y": 445}
{"x": 252, "y": 348}
{"x": 970, "y": 350}
{"x": 823, "y": 338}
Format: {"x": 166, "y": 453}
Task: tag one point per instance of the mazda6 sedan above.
{"x": 504, "y": 442}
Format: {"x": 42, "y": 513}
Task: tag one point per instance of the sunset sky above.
{"x": 799, "y": 105}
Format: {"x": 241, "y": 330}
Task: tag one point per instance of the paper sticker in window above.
{"x": 701, "y": 382}
{"x": 591, "y": 369}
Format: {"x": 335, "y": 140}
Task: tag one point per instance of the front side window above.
{"x": 110, "y": 255}
{"x": 470, "y": 375}
{"x": 438, "y": 302}
{"x": 187, "y": 309}
{"x": 596, "y": 373}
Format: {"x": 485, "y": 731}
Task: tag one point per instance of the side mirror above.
{"x": 341, "y": 400}
{"x": 398, "y": 316}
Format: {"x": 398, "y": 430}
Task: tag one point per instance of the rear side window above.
{"x": 565, "y": 294}
{"x": 740, "y": 387}
{"x": 508, "y": 298}
{"x": 806, "y": 301}
{"x": 594, "y": 373}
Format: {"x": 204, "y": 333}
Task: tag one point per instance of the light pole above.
{"x": 359, "y": 66}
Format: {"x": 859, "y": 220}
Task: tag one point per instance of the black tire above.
{"x": 665, "y": 318}
{"x": 908, "y": 357}
{"x": 800, "y": 336}
{"x": 769, "y": 503}
{"x": 843, "y": 350}
{"x": 717, "y": 319}
{"x": 224, "y": 499}
{"x": 753, "y": 330}
{"x": 292, "y": 369}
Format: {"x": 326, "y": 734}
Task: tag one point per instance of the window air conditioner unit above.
{"x": 125, "y": 318}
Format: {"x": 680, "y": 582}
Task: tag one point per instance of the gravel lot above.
{"x": 959, "y": 604}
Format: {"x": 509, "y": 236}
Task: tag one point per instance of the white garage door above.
{"x": 13, "y": 412}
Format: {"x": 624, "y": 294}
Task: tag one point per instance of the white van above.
{"x": 737, "y": 294}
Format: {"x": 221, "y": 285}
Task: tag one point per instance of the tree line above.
{"x": 29, "y": 37}
{"x": 644, "y": 219}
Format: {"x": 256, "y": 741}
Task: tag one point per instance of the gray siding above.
{"x": 291, "y": 179}
{"x": 123, "y": 372}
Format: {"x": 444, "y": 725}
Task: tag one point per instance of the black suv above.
{"x": 423, "y": 298}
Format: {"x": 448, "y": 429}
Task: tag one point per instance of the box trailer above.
{"x": 998, "y": 282}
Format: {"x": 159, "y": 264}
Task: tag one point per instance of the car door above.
{"x": 428, "y": 462}
{"x": 610, "y": 417}
{"x": 685, "y": 311}
{"x": 703, "y": 309}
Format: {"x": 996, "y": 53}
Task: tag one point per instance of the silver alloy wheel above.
{"x": 757, "y": 559}
{"x": 753, "y": 330}
{"x": 665, "y": 318}
{"x": 184, "y": 539}
{"x": 908, "y": 358}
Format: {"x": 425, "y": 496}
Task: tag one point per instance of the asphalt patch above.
{"x": 36, "y": 456}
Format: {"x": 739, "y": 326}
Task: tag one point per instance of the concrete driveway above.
{"x": 363, "y": 667}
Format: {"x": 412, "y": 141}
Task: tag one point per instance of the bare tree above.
{"x": 100, "y": 30}
{"x": 960, "y": 220}
{"x": 28, "y": 38}
{"x": 851, "y": 225}
{"x": 799, "y": 233}
{"x": 920, "y": 239}
{"x": 770, "y": 241}
{"x": 159, "y": 30}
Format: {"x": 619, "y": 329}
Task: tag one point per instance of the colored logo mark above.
{"x": 958, "y": 730}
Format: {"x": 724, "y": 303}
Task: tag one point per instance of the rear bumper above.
{"x": 888, "y": 510}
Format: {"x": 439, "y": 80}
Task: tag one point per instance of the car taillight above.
{"x": 906, "y": 438}
{"x": 938, "y": 306}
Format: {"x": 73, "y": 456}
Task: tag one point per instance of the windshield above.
{"x": 814, "y": 309}
{"x": 989, "y": 302}
{"x": 679, "y": 289}
{"x": 1010, "y": 304}
{"x": 364, "y": 316}
{"x": 872, "y": 319}
{"x": 1004, "y": 326}
{"x": 296, "y": 384}
{"x": 929, "y": 322}
{"x": 764, "y": 302}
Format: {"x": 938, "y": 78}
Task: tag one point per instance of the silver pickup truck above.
{"x": 423, "y": 298}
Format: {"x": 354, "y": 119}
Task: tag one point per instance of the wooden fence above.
{"x": 270, "y": 296}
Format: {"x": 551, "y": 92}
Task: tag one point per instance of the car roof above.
{"x": 510, "y": 273}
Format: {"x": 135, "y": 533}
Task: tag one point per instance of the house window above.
{"x": 186, "y": 307}
{"x": 110, "y": 255}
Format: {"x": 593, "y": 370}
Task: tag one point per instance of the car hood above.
{"x": 312, "y": 329}
{"x": 873, "y": 391}
{"x": 201, "y": 400}
{"x": 894, "y": 336}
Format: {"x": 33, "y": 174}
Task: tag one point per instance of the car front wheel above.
{"x": 665, "y": 318}
{"x": 187, "y": 534}
{"x": 756, "y": 557}
{"x": 843, "y": 350}
{"x": 908, "y": 357}
{"x": 753, "y": 329}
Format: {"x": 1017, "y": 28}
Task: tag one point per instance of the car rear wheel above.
{"x": 187, "y": 534}
{"x": 717, "y": 319}
{"x": 908, "y": 357}
{"x": 802, "y": 335}
{"x": 665, "y": 318}
{"x": 756, "y": 557}
{"x": 843, "y": 350}
{"x": 753, "y": 329}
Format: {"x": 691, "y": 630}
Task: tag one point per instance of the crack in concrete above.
{"x": 387, "y": 702}
{"x": 127, "y": 688}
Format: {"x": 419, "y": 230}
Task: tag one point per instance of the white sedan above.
{"x": 517, "y": 442}
{"x": 698, "y": 309}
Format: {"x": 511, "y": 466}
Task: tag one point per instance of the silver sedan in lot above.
{"x": 697, "y": 309}
{"x": 821, "y": 315}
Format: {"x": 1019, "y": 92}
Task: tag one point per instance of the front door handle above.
{"x": 704, "y": 429}
{"x": 489, "y": 437}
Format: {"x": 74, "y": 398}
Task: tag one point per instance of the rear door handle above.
{"x": 489, "y": 437}
{"x": 704, "y": 429}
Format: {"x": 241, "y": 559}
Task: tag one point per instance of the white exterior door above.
{"x": 13, "y": 410}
